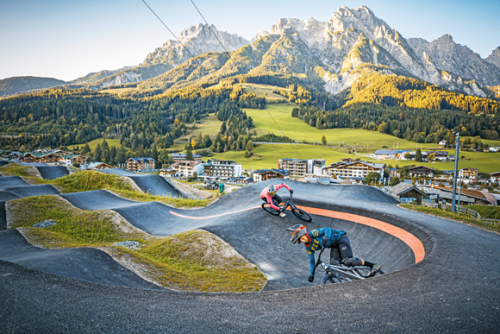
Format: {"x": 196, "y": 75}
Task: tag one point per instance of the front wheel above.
{"x": 301, "y": 214}
{"x": 330, "y": 279}
{"x": 270, "y": 210}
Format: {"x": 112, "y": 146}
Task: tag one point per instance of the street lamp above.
{"x": 457, "y": 148}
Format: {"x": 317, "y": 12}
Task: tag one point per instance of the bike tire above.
{"x": 301, "y": 214}
{"x": 330, "y": 279}
{"x": 270, "y": 210}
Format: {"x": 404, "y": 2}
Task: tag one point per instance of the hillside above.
{"x": 16, "y": 85}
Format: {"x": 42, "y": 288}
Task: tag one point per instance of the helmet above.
{"x": 297, "y": 231}
{"x": 271, "y": 189}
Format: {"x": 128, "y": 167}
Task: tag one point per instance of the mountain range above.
{"x": 331, "y": 55}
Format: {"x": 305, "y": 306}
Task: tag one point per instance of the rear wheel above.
{"x": 330, "y": 279}
{"x": 301, "y": 214}
{"x": 270, "y": 210}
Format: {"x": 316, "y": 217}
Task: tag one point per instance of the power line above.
{"x": 238, "y": 69}
{"x": 189, "y": 53}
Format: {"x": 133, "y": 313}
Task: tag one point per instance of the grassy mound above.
{"x": 189, "y": 261}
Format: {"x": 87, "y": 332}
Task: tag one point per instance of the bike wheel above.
{"x": 270, "y": 210}
{"x": 330, "y": 279}
{"x": 301, "y": 214}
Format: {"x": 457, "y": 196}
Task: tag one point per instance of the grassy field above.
{"x": 259, "y": 90}
{"x": 486, "y": 141}
{"x": 93, "y": 143}
{"x": 295, "y": 129}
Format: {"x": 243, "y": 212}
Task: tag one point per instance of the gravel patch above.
{"x": 45, "y": 223}
{"x": 129, "y": 244}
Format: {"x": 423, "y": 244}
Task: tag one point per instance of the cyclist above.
{"x": 270, "y": 196}
{"x": 337, "y": 241}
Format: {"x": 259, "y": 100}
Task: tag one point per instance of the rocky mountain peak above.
{"x": 446, "y": 38}
{"x": 494, "y": 58}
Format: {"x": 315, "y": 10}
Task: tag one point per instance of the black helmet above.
{"x": 297, "y": 231}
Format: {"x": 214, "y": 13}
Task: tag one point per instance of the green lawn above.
{"x": 295, "y": 128}
{"x": 266, "y": 156}
{"x": 93, "y": 143}
{"x": 486, "y": 141}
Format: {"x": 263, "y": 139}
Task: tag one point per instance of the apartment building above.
{"x": 301, "y": 167}
{"x": 353, "y": 169}
{"x": 73, "y": 159}
{"x": 182, "y": 156}
{"x": 187, "y": 168}
{"x": 140, "y": 164}
{"x": 469, "y": 173}
{"x": 223, "y": 169}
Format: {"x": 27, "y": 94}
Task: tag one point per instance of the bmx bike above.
{"x": 299, "y": 213}
{"x": 341, "y": 273}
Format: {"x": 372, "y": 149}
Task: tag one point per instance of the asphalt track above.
{"x": 456, "y": 288}
{"x": 52, "y": 172}
{"x": 149, "y": 183}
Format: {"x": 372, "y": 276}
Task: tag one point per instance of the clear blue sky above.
{"x": 68, "y": 39}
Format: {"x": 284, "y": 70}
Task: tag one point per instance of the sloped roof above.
{"x": 278, "y": 171}
{"x": 469, "y": 192}
{"x": 71, "y": 156}
{"x": 422, "y": 167}
{"x": 402, "y": 188}
{"x": 185, "y": 162}
{"x": 139, "y": 159}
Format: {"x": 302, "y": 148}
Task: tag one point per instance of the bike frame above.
{"x": 352, "y": 272}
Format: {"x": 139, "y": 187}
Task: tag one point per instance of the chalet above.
{"x": 187, "y": 168}
{"x": 73, "y": 159}
{"x": 495, "y": 177}
{"x": 140, "y": 164}
{"x": 182, "y": 156}
{"x": 442, "y": 142}
{"x": 98, "y": 165}
{"x": 357, "y": 169}
{"x": 394, "y": 172}
{"x": 35, "y": 157}
{"x": 16, "y": 155}
{"x": 407, "y": 193}
{"x": 169, "y": 173}
{"x": 267, "y": 174}
{"x": 494, "y": 149}
{"x": 422, "y": 171}
{"x": 469, "y": 173}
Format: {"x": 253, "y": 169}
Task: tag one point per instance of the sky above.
{"x": 67, "y": 39}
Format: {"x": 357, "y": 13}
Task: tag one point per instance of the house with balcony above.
{"x": 469, "y": 173}
{"x": 299, "y": 168}
{"x": 38, "y": 157}
{"x": 186, "y": 168}
{"x": 140, "y": 164}
{"x": 421, "y": 171}
{"x": 223, "y": 169}
{"x": 356, "y": 169}
{"x": 267, "y": 174}
{"x": 74, "y": 159}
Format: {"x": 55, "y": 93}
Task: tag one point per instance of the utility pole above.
{"x": 457, "y": 147}
{"x": 459, "y": 191}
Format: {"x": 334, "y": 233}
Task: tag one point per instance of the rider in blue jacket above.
{"x": 337, "y": 241}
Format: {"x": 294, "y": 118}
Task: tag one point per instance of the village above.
{"x": 416, "y": 184}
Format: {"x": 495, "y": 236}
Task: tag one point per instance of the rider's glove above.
{"x": 324, "y": 242}
{"x": 311, "y": 278}
{"x": 291, "y": 191}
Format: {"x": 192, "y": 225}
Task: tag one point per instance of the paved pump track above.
{"x": 442, "y": 276}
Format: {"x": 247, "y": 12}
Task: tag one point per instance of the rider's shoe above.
{"x": 282, "y": 214}
{"x": 375, "y": 270}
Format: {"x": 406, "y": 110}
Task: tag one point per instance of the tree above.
{"x": 418, "y": 155}
{"x": 372, "y": 177}
{"x": 394, "y": 181}
{"x": 189, "y": 154}
{"x": 85, "y": 149}
{"x": 195, "y": 175}
{"x": 407, "y": 156}
{"x": 323, "y": 140}
{"x": 382, "y": 127}
{"x": 250, "y": 146}
{"x": 97, "y": 153}
{"x": 431, "y": 157}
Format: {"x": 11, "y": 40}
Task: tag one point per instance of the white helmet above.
{"x": 271, "y": 189}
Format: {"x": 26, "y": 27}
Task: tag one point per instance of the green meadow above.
{"x": 93, "y": 143}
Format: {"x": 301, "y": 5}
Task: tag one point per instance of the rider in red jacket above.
{"x": 269, "y": 195}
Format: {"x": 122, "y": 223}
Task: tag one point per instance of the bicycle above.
{"x": 299, "y": 213}
{"x": 341, "y": 273}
